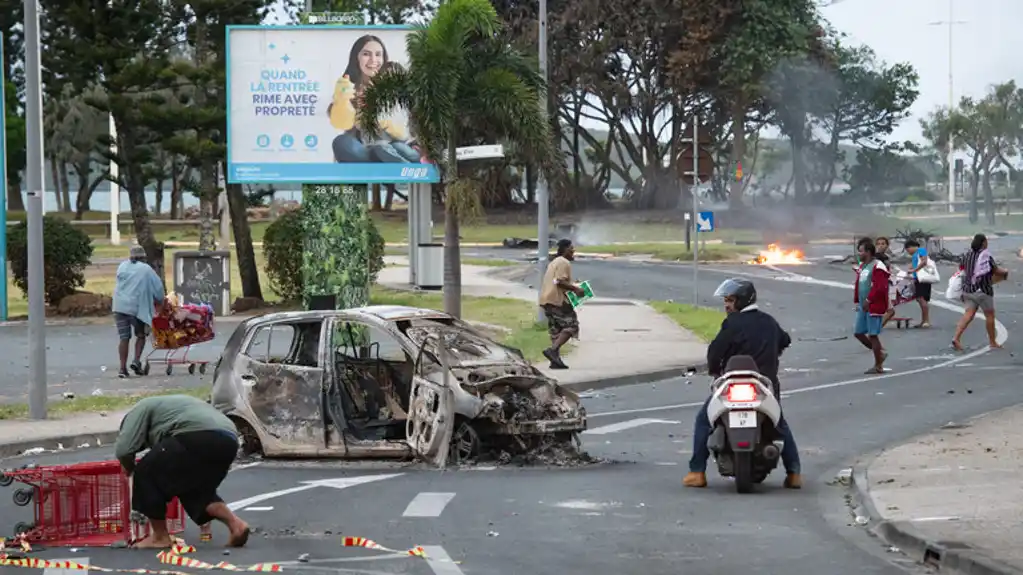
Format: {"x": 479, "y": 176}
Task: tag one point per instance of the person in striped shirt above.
{"x": 979, "y": 272}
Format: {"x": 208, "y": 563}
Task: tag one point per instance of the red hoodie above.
{"x": 877, "y": 298}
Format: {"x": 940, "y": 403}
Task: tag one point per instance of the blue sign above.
{"x": 705, "y": 222}
{"x": 292, "y": 115}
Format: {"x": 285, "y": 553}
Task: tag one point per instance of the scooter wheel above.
{"x": 5, "y": 479}
{"x": 191, "y": 369}
{"x": 202, "y": 369}
{"x": 23, "y": 497}
{"x": 169, "y": 370}
{"x": 23, "y": 528}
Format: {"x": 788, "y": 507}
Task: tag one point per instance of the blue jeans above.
{"x": 702, "y": 431}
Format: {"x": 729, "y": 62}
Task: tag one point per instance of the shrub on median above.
{"x": 284, "y": 244}
{"x": 67, "y": 252}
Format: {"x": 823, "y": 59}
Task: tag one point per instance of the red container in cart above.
{"x": 83, "y": 505}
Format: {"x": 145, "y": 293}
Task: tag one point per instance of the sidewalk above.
{"x": 18, "y": 435}
{"x": 953, "y": 497}
{"x": 622, "y": 341}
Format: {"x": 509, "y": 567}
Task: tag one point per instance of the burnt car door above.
{"x": 431, "y": 416}
{"x": 281, "y": 369}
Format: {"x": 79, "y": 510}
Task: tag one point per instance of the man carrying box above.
{"x": 562, "y": 321}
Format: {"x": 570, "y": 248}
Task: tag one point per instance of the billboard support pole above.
{"x": 3, "y": 186}
{"x": 34, "y": 176}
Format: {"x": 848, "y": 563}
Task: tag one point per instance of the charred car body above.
{"x": 385, "y": 382}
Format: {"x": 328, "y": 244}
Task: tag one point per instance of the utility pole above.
{"x": 951, "y": 22}
{"x": 542, "y": 200}
{"x": 34, "y": 177}
{"x": 696, "y": 211}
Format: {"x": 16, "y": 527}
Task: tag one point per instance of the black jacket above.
{"x": 749, "y": 332}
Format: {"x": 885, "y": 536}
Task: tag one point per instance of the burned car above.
{"x": 385, "y": 382}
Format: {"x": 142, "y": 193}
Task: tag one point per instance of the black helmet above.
{"x": 742, "y": 290}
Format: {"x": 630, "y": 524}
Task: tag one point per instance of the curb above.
{"x": 633, "y": 379}
{"x": 944, "y": 556}
{"x": 69, "y": 441}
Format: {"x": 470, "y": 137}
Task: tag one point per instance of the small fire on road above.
{"x": 774, "y": 255}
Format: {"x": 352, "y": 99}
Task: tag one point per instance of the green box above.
{"x": 577, "y": 301}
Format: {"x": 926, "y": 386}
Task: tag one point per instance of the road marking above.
{"x": 1001, "y": 336}
{"x": 928, "y": 519}
{"x": 339, "y": 483}
{"x": 258, "y": 509}
{"x": 245, "y": 466}
{"x": 54, "y": 571}
{"x": 428, "y": 504}
{"x": 623, "y": 425}
{"x": 440, "y": 562}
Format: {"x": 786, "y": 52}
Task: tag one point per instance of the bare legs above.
{"x": 239, "y": 529}
{"x": 873, "y": 343}
{"x": 964, "y": 322}
{"x": 925, "y": 312}
{"x": 159, "y": 537}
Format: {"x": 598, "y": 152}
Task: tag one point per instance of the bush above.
{"x": 67, "y": 252}
{"x": 284, "y": 246}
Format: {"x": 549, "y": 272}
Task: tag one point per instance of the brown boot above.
{"x": 695, "y": 479}
{"x": 793, "y": 481}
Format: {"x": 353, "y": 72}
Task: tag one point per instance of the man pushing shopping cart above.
{"x": 191, "y": 448}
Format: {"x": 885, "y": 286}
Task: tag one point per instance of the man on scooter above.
{"x": 745, "y": 331}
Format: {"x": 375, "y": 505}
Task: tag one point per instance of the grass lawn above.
{"x": 101, "y": 280}
{"x": 94, "y": 404}
{"x": 394, "y": 229}
{"x": 702, "y": 321}
{"x": 672, "y": 252}
{"x": 518, "y": 316}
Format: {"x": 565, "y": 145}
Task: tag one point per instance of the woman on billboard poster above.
{"x": 367, "y": 58}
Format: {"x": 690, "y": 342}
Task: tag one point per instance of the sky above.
{"x": 986, "y": 46}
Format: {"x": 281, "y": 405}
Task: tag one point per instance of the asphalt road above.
{"x": 629, "y": 513}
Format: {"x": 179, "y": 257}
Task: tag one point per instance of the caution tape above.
{"x": 178, "y": 557}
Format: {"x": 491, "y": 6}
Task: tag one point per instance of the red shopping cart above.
{"x": 81, "y": 505}
{"x": 903, "y": 291}
{"x": 175, "y": 330}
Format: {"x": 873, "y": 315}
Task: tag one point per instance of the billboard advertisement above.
{"x": 293, "y": 93}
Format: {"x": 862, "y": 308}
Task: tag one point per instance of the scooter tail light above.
{"x": 742, "y": 392}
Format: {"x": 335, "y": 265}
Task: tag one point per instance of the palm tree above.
{"x": 464, "y": 86}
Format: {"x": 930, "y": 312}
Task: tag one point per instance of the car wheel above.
{"x": 248, "y": 441}
{"x": 465, "y": 443}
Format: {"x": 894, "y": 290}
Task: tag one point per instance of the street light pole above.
{"x": 35, "y": 180}
{"x": 542, "y": 201}
{"x": 951, "y": 22}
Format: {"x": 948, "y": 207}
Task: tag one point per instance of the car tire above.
{"x": 465, "y": 443}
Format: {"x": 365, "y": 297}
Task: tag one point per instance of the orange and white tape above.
{"x": 177, "y": 556}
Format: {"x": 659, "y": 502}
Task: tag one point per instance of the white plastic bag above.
{"x": 928, "y": 274}
{"x": 955, "y": 286}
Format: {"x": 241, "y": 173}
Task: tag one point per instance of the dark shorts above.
{"x": 922, "y": 290}
{"x": 126, "y": 323}
{"x": 561, "y": 318}
{"x": 189, "y": 466}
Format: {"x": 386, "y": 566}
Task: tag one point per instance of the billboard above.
{"x": 292, "y": 96}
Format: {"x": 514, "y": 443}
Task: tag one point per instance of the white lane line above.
{"x": 245, "y": 466}
{"x": 54, "y": 571}
{"x": 338, "y": 483}
{"x": 623, "y": 425}
{"x": 258, "y": 509}
{"x": 1001, "y": 335}
{"x": 428, "y": 504}
{"x": 440, "y": 562}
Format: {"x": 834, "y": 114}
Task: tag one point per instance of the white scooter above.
{"x": 744, "y": 416}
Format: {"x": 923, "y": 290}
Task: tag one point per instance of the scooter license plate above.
{"x": 742, "y": 419}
